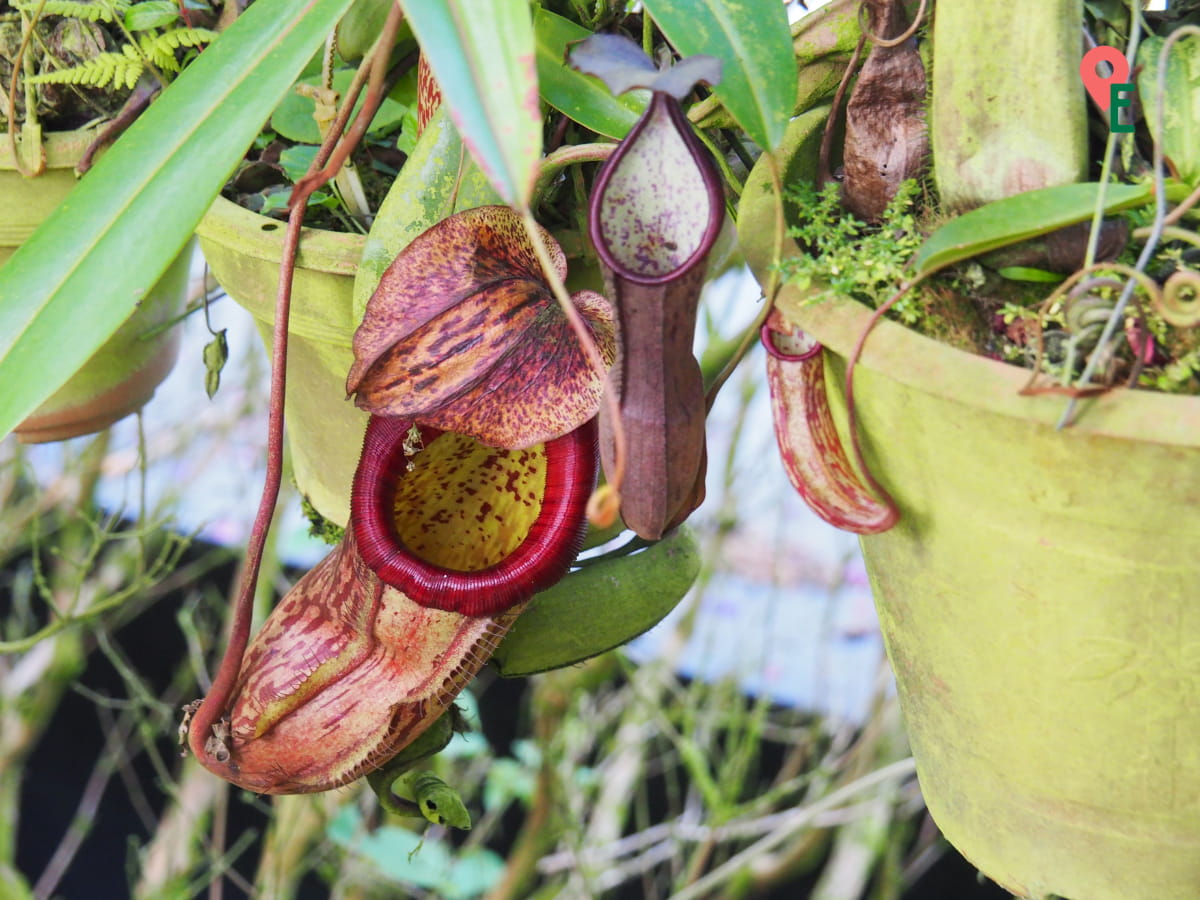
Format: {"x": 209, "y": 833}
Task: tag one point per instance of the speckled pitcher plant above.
{"x": 654, "y": 213}
{"x": 809, "y": 447}
{"x": 469, "y": 497}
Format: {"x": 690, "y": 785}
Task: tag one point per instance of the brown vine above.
{"x": 206, "y": 721}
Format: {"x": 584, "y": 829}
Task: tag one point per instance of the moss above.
{"x": 847, "y": 257}
{"x": 319, "y": 526}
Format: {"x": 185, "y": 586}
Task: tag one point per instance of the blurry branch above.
{"x": 795, "y": 820}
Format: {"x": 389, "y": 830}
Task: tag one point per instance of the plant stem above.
{"x": 215, "y": 703}
{"x": 796, "y": 820}
{"x": 587, "y": 344}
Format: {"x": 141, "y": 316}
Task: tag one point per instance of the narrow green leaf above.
{"x": 82, "y": 273}
{"x": 484, "y": 58}
{"x": 1026, "y": 273}
{"x": 151, "y": 14}
{"x": 1180, "y": 130}
{"x": 753, "y": 40}
{"x": 581, "y": 97}
{"x": 1021, "y": 217}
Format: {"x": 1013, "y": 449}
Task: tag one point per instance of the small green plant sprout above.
{"x": 849, "y": 257}
{"x": 152, "y": 41}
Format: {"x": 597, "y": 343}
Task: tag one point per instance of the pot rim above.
{"x": 261, "y": 237}
{"x": 931, "y": 366}
{"x": 63, "y": 149}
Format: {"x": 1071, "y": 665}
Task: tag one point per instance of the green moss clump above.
{"x": 847, "y": 257}
{"x": 319, "y": 526}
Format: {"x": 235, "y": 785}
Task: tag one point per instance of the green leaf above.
{"x": 1025, "y": 273}
{"x": 1021, "y": 217}
{"x": 293, "y": 117}
{"x": 297, "y": 159}
{"x": 1112, "y": 11}
{"x": 1180, "y": 130}
{"x": 753, "y": 40}
{"x": 404, "y": 91}
{"x": 403, "y": 856}
{"x": 484, "y": 59}
{"x": 581, "y": 97}
{"x": 639, "y": 589}
{"x": 151, "y": 14}
{"x": 71, "y": 284}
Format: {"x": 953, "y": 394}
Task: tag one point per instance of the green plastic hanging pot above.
{"x": 1039, "y": 598}
{"x": 325, "y": 430}
{"x": 120, "y": 377}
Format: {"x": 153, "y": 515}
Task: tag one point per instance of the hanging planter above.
{"x": 120, "y": 377}
{"x": 1036, "y": 600}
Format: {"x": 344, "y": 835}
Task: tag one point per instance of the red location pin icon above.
{"x": 1098, "y": 85}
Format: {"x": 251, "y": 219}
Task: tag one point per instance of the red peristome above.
{"x": 809, "y": 445}
{"x": 542, "y": 558}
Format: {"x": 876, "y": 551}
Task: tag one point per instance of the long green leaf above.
{"x": 82, "y": 273}
{"x": 581, "y": 97}
{"x": 1179, "y": 132}
{"x": 484, "y": 58}
{"x": 1020, "y": 217}
{"x": 753, "y": 40}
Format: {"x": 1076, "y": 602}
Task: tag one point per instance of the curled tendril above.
{"x": 1085, "y": 307}
{"x": 1088, "y": 307}
{"x": 1179, "y": 302}
{"x": 1087, "y": 311}
{"x": 900, "y": 38}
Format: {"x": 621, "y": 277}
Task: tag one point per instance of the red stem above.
{"x": 824, "y": 175}
{"x": 851, "y": 414}
{"x": 217, "y": 700}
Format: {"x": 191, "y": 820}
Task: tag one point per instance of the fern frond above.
{"x": 116, "y": 69}
{"x": 91, "y": 10}
{"x": 160, "y": 48}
